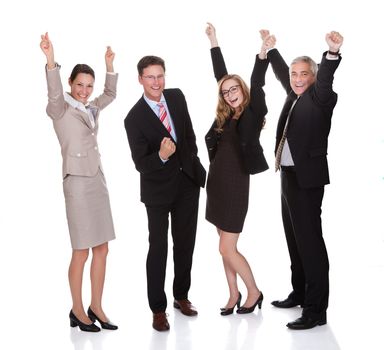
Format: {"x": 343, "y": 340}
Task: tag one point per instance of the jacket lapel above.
{"x": 152, "y": 119}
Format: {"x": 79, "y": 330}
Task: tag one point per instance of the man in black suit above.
{"x": 163, "y": 147}
{"x": 301, "y": 155}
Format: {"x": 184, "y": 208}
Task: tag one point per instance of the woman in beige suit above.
{"x": 75, "y": 121}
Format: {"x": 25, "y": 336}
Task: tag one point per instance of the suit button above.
{"x": 93, "y": 134}
{"x": 78, "y": 154}
{"x": 95, "y": 148}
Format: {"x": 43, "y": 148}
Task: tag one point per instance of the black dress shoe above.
{"x": 285, "y": 304}
{"x": 74, "y": 322}
{"x": 104, "y": 325}
{"x": 305, "y": 322}
{"x": 248, "y": 310}
{"x": 225, "y": 311}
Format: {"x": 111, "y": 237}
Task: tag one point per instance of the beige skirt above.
{"x": 88, "y": 210}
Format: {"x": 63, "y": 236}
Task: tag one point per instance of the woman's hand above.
{"x": 47, "y": 48}
{"x": 109, "y": 57}
{"x": 269, "y": 42}
{"x": 211, "y": 34}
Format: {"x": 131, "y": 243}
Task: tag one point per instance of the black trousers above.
{"x": 183, "y": 211}
{"x": 301, "y": 213}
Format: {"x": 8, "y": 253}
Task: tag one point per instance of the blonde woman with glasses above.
{"x": 235, "y": 153}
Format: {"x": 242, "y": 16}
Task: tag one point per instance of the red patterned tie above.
{"x": 164, "y": 117}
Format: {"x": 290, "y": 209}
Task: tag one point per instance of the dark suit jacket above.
{"x": 158, "y": 180}
{"x": 310, "y": 122}
{"x": 250, "y": 122}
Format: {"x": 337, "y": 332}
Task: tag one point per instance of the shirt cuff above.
{"x": 163, "y": 160}
{"x": 331, "y": 57}
{"x": 57, "y": 66}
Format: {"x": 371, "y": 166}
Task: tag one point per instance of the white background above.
{"x": 35, "y": 247}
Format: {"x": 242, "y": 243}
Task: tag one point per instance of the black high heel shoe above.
{"x": 225, "y": 311}
{"x": 248, "y": 310}
{"x": 104, "y": 325}
{"x": 75, "y": 322}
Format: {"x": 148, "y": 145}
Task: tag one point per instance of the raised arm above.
{"x": 211, "y": 34}
{"x": 330, "y": 61}
{"x": 268, "y": 43}
{"x": 47, "y": 48}
{"x": 258, "y": 103}
{"x": 219, "y": 68}
{"x": 280, "y": 68}
{"x": 109, "y": 57}
{"x": 56, "y": 105}
{"x": 110, "y": 86}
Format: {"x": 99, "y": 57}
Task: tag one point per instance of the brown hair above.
{"x": 81, "y": 68}
{"x": 147, "y": 61}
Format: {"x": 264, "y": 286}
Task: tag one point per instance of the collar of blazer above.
{"x": 81, "y": 107}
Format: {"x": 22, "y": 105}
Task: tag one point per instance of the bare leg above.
{"x": 231, "y": 275}
{"x": 237, "y": 264}
{"x": 75, "y": 276}
{"x": 98, "y": 267}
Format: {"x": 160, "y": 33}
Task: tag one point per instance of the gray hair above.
{"x": 312, "y": 64}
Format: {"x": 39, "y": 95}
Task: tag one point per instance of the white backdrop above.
{"x": 34, "y": 239}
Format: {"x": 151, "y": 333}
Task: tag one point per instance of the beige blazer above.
{"x": 77, "y": 137}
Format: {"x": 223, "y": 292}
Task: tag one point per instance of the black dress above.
{"x": 236, "y": 153}
{"x": 228, "y": 183}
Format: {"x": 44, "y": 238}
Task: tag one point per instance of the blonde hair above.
{"x": 223, "y": 110}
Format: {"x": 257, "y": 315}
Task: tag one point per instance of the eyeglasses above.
{"x": 233, "y": 89}
{"x": 153, "y": 77}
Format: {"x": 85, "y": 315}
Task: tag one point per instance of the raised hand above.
{"x": 109, "y": 57}
{"x": 211, "y": 34}
{"x": 334, "y": 41}
{"x": 269, "y": 42}
{"x": 264, "y": 33}
{"x": 47, "y": 48}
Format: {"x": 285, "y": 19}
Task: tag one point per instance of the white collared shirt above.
{"x": 286, "y": 155}
{"x": 80, "y": 106}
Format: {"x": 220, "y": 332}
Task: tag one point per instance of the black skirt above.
{"x": 227, "y": 184}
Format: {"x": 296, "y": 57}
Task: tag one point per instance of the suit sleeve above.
{"x": 56, "y": 105}
{"x": 280, "y": 68}
{"x": 211, "y": 139}
{"x": 109, "y": 93}
{"x": 324, "y": 93}
{"x": 146, "y": 159}
{"x": 258, "y": 103}
{"x": 219, "y": 68}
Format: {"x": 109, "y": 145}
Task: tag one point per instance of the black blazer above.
{"x": 310, "y": 122}
{"x": 158, "y": 180}
{"x": 250, "y": 122}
